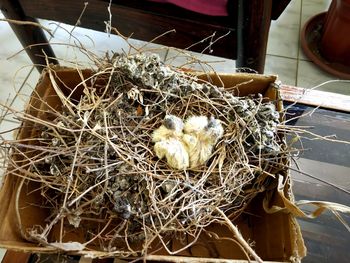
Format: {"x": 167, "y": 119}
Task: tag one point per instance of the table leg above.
{"x": 28, "y": 34}
{"x": 254, "y": 18}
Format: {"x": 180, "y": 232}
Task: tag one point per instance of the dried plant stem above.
{"x": 238, "y": 236}
{"x": 26, "y": 23}
{"x": 314, "y": 135}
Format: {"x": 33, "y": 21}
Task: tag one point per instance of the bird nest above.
{"x": 147, "y": 153}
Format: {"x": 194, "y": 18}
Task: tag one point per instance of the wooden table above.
{"x": 327, "y": 240}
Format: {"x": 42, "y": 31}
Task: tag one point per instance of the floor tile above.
{"x": 99, "y": 43}
{"x": 309, "y": 9}
{"x": 14, "y": 67}
{"x": 16, "y": 87}
{"x": 2, "y": 253}
{"x": 285, "y": 68}
{"x": 201, "y": 62}
{"x": 67, "y": 40}
{"x": 8, "y": 131}
{"x": 51, "y": 27}
{"x": 284, "y": 32}
{"x": 310, "y": 76}
{"x": 17, "y": 77}
{"x": 27, "y": 88}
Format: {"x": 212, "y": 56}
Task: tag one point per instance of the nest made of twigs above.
{"x": 96, "y": 165}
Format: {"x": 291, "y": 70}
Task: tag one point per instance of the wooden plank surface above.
{"x": 328, "y": 100}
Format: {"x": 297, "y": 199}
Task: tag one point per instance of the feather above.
{"x": 195, "y": 124}
{"x": 174, "y": 151}
{"x": 200, "y": 138}
{"x": 168, "y": 143}
{"x": 171, "y": 128}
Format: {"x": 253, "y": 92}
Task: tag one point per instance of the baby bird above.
{"x": 200, "y": 137}
{"x": 168, "y": 143}
{"x": 172, "y": 128}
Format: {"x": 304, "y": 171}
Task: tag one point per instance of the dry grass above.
{"x": 95, "y": 163}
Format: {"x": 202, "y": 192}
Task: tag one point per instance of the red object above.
{"x": 212, "y": 8}
{"x": 335, "y": 41}
{"x": 325, "y": 39}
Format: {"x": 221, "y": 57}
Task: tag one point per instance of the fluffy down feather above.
{"x": 168, "y": 143}
{"x": 200, "y": 137}
{"x": 171, "y": 128}
{"x": 174, "y": 151}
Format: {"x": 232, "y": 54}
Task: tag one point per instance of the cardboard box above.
{"x": 276, "y": 236}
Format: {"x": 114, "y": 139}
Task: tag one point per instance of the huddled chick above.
{"x": 168, "y": 143}
{"x": 200, "y": 137}
{"x": 186, "y": 145}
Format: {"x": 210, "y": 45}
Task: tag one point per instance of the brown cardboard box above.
{"x": 277, "y": 236}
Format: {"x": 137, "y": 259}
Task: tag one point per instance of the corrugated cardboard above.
{"x": 277, "y": 236}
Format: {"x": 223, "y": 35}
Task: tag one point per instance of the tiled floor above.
{"x": 284, "y": 57}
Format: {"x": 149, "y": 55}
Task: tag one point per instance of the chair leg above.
{"x": 31, "y": 37}
{"x": 254, "y": 19}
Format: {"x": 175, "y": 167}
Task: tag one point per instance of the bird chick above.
{"x": 168, "y": 143}
{"x": 200, "y": 137}
{"x": 174, "y": 151}
{"x": 171, "y": 128}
